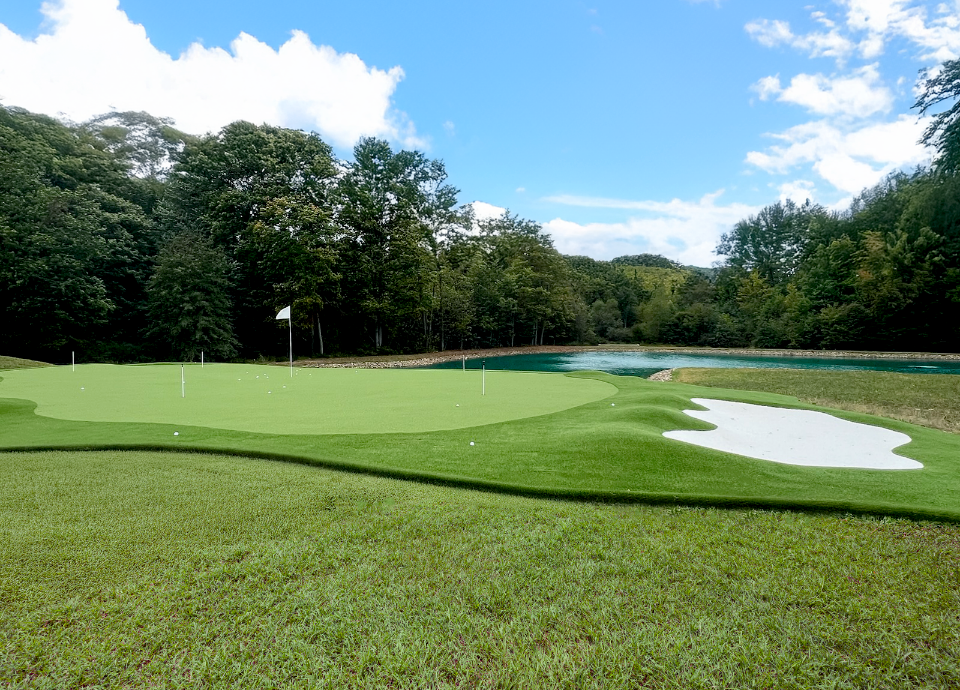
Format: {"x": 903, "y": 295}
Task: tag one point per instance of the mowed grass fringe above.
{"x": 629, "y": 497}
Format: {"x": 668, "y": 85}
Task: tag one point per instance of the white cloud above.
{"x": 93, "y": 59}
{"x": 774, "y": 32}
{"x": 876, "y": 22}
{"x": 770, "y": 32}
{"x": 857, "y": 95}
{"x": 484, "y": 211}
{"x": 848, "y": 160}
{"x": 884, "y": 19}
{"x": 768, "y": 87}
{"x": 682, "y": 230}
{"x": 823, "y": 19}
{"x": 798, "y": 191}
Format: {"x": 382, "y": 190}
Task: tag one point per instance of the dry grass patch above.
{"x": 931, "y": 400}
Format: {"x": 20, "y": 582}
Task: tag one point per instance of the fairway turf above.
{"x": 267, "y": 399}
{"x": 181, "y": 571}
{"x": 610, "y": 449}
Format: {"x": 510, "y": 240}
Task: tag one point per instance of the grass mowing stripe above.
{"x": 140, "y": 569}
{"x": 596, "y": 450}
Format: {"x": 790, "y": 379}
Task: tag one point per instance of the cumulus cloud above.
{"x": 686, "y": 231}
{"x": 798, "y": 191}
{"x": 849, "y": 160}
{"x": 854, "y": 143}
{"x": 860, "y": 94}
{"x": 484, "y": 211}
{"x": 92, "y": 59}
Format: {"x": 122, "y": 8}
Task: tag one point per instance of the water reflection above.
{"x": 646, "y": 363}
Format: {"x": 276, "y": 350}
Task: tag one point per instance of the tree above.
{"x": 148, "y": 145}
{"x": 261, "y": 194}
{"x": 71, "y": 243}
{"x": 772, "y": 243}
{"x": 190, "y": 299}
{"x": 389, "y": 209}
{"x": 943, "y": 132}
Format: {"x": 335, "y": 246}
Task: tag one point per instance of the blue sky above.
{"x": 623, "y": 127}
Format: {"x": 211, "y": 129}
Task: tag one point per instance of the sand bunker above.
{"x": 795, "y": 437}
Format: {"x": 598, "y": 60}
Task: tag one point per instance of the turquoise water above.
{"x": 644, "y": 364}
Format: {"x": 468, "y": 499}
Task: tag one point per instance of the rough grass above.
{"x": 183, "y": 571}
{"x": 9, "y": 363}
{"x": 931, "y": 400}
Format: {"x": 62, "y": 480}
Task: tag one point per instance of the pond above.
{"x": 647, "y": 363}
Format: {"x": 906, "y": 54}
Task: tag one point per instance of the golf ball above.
{"x": 81, "y": 388}
{"x": 269, "y": 391}
{"x": 471, "y": 443}
{"x": 176, "y": 433}
{"x": 458, "y": 404}
{"x": 613, "y": 404}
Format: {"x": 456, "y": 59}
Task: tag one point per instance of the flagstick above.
{"x": 483, "y": 377}
{"x": 73, "y": 360}
{"x": 464, "y": 362}
{"x": 290, "y": 323}
{"x": 183, "y": 390}
{"x": 201, "y": 359}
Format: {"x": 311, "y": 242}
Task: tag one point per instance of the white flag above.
{"x": 284, "y": 313}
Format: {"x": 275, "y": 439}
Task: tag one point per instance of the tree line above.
{"x": 125, "y": 239}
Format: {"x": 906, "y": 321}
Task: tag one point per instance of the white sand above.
{"x": 795, "y": 437}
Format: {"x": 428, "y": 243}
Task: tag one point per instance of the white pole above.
{"x": 183, "y": 390}
{"x": 201, "y": 359}
{"x": 73, "y": 360}
{"x": 290, "y": 323}
{"x": 464, "y": 362}
{"x": 483, "y": 377}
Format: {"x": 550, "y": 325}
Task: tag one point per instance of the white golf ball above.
{"x": 258, "y": 377}
{"x": 471, "y": 443}
{"x": 269, "y": 391}
{"x": 458, "y": 404}
{"x": 613, "y": 404}
{"x": 81, "y": 388}
{"x": 176, "y": 433}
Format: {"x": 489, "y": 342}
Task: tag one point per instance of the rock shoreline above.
{"x": 427, "y": 359}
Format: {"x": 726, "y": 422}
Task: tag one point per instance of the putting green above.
{"x": 265, "y": 399}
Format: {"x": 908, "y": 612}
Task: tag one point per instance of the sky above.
{"x": 622, "y": 126}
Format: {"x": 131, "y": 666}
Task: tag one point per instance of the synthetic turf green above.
{"x": 608, "y": 449}
{"x": 267, "y": 399}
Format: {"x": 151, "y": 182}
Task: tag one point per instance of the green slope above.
{"x": 606, "y": 449}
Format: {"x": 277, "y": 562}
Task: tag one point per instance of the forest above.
{"x": 125, "y": 240}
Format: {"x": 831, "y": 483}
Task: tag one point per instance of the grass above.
{"x": 10, "y": 363}
{"x": 266, "y": 399}
{"x": 931, "y": 400}
{"x": 608, "y": 449}
{"x": 142, "y": 569}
